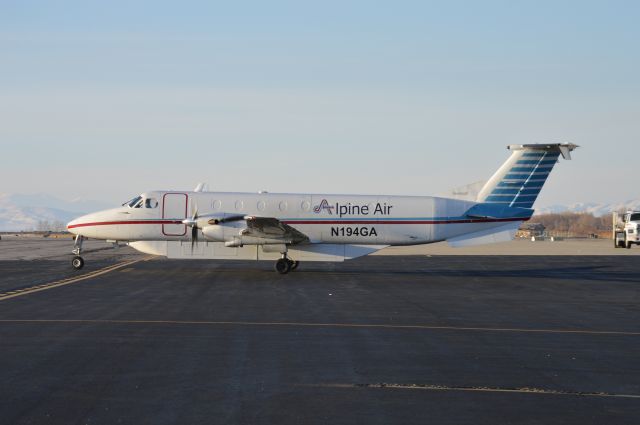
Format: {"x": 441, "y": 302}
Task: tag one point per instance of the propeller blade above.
{"x": 194, "y": 236}
{"x": 194, "y": 226}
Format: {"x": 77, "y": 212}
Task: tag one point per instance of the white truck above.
{"x": 626, "y": 228}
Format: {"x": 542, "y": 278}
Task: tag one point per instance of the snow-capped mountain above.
{"x": 31, "y": 212}
{"x": 596, "y": 209}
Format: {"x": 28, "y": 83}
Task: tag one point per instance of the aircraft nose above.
{"x": 71, "y": 226}
{"x": 75, "y": 225}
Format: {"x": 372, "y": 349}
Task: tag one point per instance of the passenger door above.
{"x": 174, "y": 207}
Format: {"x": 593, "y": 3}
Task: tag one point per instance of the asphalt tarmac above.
{"x": 378, "y": 340}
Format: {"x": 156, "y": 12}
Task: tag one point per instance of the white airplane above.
{"x": 290, "y": 228}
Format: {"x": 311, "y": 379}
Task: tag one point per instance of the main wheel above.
{"x": 294, "y": 265}
{"x": 283, "y": 266}
{"x": 77, "y": 262}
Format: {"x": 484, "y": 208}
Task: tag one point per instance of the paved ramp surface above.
{"x": 379, "y": 340}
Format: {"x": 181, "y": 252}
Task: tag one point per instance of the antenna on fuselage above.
{"x": 201, "y": 187}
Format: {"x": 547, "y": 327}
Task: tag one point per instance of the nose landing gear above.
{"x": 77, "y": 262}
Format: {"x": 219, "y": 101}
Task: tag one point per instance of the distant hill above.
{"x": 29, "y": 212}
{"x": 596, "y": 209}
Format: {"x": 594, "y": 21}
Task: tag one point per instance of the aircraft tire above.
{"x": 283, "y": 266}
{"x": 294, "y": 264}
{"x": 77, "y": 262}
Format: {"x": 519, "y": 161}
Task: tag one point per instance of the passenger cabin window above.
{"x": 151, "y": 203}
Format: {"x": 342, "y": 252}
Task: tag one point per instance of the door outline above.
{"x": 186, "y": 202}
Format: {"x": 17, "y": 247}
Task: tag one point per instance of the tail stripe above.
{"x": 535, "y": 162}
{"x": 518, "y": 185}
{"x": 523, "y": 181}
{"x": 515, "y": 191}
{"x": 530, "y": 169}
{"x": 525, "y": 177}
{"x": 518, "y": 182}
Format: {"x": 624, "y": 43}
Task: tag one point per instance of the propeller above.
{"x": 193, "y": 223}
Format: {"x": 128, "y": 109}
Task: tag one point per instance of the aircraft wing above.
{"x": 272, "y": 228}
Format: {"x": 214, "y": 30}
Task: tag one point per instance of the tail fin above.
{"x": 519, "y": 181}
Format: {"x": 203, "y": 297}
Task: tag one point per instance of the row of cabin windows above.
{"x": 261, "y": 205}
{"x": 140, "y": 202}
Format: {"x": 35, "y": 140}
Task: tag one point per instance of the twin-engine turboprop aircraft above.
{"x": 290, "y": 228}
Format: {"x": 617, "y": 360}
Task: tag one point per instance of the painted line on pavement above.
{"x": 431, "y": 387}
{"x": 324, "y": 325}
{"x": 68, "y": 281}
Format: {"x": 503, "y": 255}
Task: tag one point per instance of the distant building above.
{"x": 528, "y": 230}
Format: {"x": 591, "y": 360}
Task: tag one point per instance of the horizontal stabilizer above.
{"x": 498, "y": 211}
{"x": 504, "y": 233}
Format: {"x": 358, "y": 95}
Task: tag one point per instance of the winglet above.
{"x": 566, "y": 149}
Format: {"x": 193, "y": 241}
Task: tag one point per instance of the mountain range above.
{"x": 19, "y": 212}
{"x": 594, "y": 208}
{"x": 32, "y": 212}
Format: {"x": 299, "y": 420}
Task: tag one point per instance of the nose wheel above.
{"x": 77, "y": 263}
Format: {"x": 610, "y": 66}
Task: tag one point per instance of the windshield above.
{"x": 634, "y": 217}
{"x": 133, "y": 202}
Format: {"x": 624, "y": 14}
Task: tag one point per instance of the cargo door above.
{"x": 174, "y": 208}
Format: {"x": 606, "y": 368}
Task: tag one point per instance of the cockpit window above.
{"x": 150, "y": 203}
{"x": 133, "y": 202}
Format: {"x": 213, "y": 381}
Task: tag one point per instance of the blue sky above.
{"x": 107, "y": 99}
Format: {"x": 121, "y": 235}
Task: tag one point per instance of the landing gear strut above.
{"x": 77, "y": 262}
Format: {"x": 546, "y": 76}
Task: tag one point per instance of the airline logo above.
{"x": 350, "y": 209}
{"x": 324, "y": 205}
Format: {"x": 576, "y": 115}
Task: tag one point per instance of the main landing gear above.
{"x": 284, "y": 265}
{"x": 77, "y": 262}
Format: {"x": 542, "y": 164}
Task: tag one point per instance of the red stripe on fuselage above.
{"x": 479, "y": 220}
{"x": 115, "y": 223}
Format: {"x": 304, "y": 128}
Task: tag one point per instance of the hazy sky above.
{"x": 104, "y": 100}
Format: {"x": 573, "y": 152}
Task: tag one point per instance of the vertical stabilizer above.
{"x": 519, "y": 181}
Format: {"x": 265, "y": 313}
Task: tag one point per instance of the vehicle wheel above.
{"x": 294, "y": 265}
{"x": 77, "y": 262}
{"x": 628, "y": 245}
{"x": 283, "y": 266}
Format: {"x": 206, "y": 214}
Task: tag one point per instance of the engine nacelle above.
{"x": 219, "y": 233}
{"x": 238, "y": 241}
{"x": 234, "y": 236}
